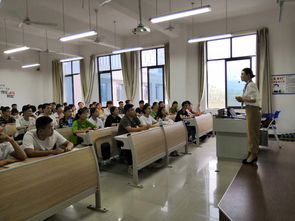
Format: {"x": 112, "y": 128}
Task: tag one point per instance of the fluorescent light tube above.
{"x": 30, "y": 65}
{"x": 78, "y": 35}
{"x": 181, "y": 14}
{"x": 71, "y": 59}
{"x": 126, "y": 50}
{"x": 208, "y": 38}
{"x": 14, "y": 50}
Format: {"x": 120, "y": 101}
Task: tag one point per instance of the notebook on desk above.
{"x": 233, "y": 114}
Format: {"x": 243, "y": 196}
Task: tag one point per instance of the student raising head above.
{"x": 146, "y": 118}
{"x": 5, "y": 117}
{"x": 94, "y": 118}
{"x": 113, "y": 119}
{"x": 67, "y": 120}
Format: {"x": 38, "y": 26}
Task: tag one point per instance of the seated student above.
{"x": 107, "y": 111}
{"x": 100, "y": 109}
{"x": 121, "y": 107}
{"x": 190, "y": 109}
{"x": 162, "y": 114}
{"x": 67, "y": 120}
{"x": 48, "y": 113}
{"x": 81, "y": 105}
{"x": 44, "y": 140}
{"x": 40, "y": 110}
{"x": 58, "y": 113}
{"x": 182, "y": 114}
{"x": 14, "y": 106}
{"x": 9, "y": 147}
{"x": 94, "y": 118}
{"x": 155, "y": 108}
{"x": 130, "y": 123}
{"x": 81, "y": 125}
{"x": 174, "y": 108}
{"x": 15, "y": 113}
{"x": 113, "y": 119}
{"x": 5, "y": 117}
{"x": 128, "y": 102}
{"x": 139, "y": 110}
{"x": 146, "y": 118}
{"x": 26, "y": 122}
{"x": 33, "y": 107}
{"x": 65, "y": 104}
{"x": 73, "y": 109}
{"x": 53, "y": 107}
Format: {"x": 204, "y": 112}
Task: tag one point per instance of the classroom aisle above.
{"x": 189, "y": 191}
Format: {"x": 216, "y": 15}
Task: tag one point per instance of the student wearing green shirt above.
{"x": 155, "y": 108}
{"x": 174, "y": 108}
{"x": 81, "y": 125}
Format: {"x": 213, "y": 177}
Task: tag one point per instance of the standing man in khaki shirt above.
{"x": 251, "y": 99}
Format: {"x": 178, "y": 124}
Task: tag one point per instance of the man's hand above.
{"x": 67, "y": 149}
{"x": 239, "y": 99}
{"x": 6, "y": 161}
{"x": 58, "y": 151}
{"x": 4, "y": 137}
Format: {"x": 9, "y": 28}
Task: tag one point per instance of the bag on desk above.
{"x": 105, "y": 151}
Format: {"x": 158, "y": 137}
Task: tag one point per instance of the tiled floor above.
{"x": 189, "y": 191}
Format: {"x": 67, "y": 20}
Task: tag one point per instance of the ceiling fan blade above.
{"x": 44, "y": 23}
{"x": 104, "y": 2}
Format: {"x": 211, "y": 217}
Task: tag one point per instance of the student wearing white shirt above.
{"x": 59, "y": 113}
{"x": 146, "y": 118}
{"x": 9, "y": 147}
{"x": 27, "y": 121}
{"x": 107, "y": 111}
{"x": 251, "y": 98}
{"x": 94, "y": 118}
{"x": 44, "y": 140}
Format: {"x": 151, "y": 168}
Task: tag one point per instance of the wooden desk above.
{"x": 263, "y": 192}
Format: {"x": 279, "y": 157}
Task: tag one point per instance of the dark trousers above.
{"x": 191, "y": 132}
{"x": 125, "y": 153}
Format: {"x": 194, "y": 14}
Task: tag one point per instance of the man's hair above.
{"x": 26, "y": 107}
{"x": 58, "y": 106}
{"x": 42, "y": 122}
{"x": 80, "y": 102}
{"x": 141, "y": 102}
{"x": 5, "y": 109}
{"x": 81, "y": 111}
{"x": 67, "y": 108}
{"x": 113, "y": 108}
{"x": 184, "y": 103}
{"x": 174, "y": 102}
{"x": 53, "y": 103}
{"x": 127, "y": 107}
{"x": 33, "y": 107}
{"x": 13, "y": 105}
{"x": 109, "y": 102}
{"x": 92, "y": 110}
{"x": 145, "y": 107}
{"x": 40, "y": 106}
{"x": 154, "y": 104}
{"x": 45, "y": 105}
{"x": 120, "y": 102}
{"x": 127, "y": 101}
{"x": 14, "y": 111}
{"x": 65, "y": 104}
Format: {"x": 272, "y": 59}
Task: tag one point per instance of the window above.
{"x": 225, "y": 60}
{"x": 152, "y": 75}
{"x": 110, "y": 79}
{"x": 72, "y": 82}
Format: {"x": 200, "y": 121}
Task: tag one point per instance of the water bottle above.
{"x": 70, "y": 122}
{"x": 161, "y": 123}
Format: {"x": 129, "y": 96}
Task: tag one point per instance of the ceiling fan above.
{"x": 104, "y": 2}
{"x": 27, "y": 20}
{"x": 140, "y": 29}
{"x": 281, "y": 4}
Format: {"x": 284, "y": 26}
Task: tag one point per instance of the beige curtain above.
{"x": 263, "y": 76}
{"x": 83, "y": 79}
{"x": 167, "y": 71}
{"x": 91, "y": 74}
{"x": 130, "y": 71}
{"x": 57, "y": 81}
{"x": 201, "y": 72}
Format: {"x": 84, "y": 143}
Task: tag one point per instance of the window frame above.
{"x": 72, "y": 79}
{"x": 162, "y": 66}
{"x": 110, "y": 71}
{"x": 231, "y": 58}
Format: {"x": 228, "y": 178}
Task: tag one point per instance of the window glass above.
{"x": 234, "y": 84}
{"x": 156, "y": 86}
{"x": 116, "y": 62}
{"x": 149, "y": 57}
{"x": 161, "y": 56}
{"x": 67, "y": 69}
{"x": 76, "y": 67}
{"x": 104, "y": 63}
{"x": 145, "y": 95}
{"x": 118, "y": 87}
{"x": 216, "y": 84}
{"x": 218, "y": 49}
{"x": 68, "y": 92}
{"x": 78, "y": 89}
{"x": 244, "y": 46}
{"x": 105, "y": 88}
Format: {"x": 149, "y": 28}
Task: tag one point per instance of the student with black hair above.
{"x": 128, "y": 102}
{"x": 33, "y": 107}
{"x": 139, "y": 110}
{"x": 65, "y": 104}
{"x": 8, "y": 147}
{"x": 67, "y": 120}
{"x": 14, "y": 106}
{"x": 94, "y": 118}
{"x": 107, "y": 110}
{"x": 155, "y": 108}
{"x": 44, "y": 140}
{"x": 81, "y": 105}
{"x": 174, "y": 108}
{"x": 81, "y": 124}
{"x": 26, "y": 122}
{"x": 47, "y": 111}
{"x": 121, "y": 107}
{"x": 15, "y": 113}
{"x": 146, "y": 118}
{"x": 53, "y": 107}
{"x": 58, "y": 113}
{"x": 113, "y": 119}
{"x": 130, "y": 123}
{"x": 6, "y": 116}
{"x": 40, "y": 110}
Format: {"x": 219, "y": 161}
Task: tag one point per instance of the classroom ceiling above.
{"x": 124, "y": 12}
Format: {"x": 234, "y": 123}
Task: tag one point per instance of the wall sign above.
{"x": 283, "y": 84}
{"x": 6, "y": 92}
